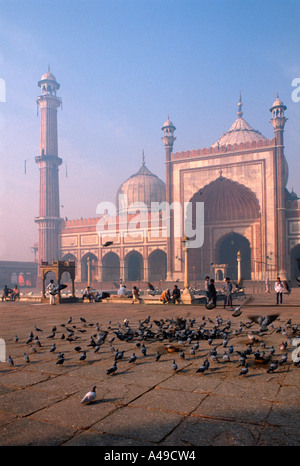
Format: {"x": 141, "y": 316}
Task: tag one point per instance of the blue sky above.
{"x": 123, "y": 66}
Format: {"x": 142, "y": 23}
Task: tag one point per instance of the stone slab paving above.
{"x": 145, "y": 403}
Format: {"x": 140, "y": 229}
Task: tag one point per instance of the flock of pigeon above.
{"x": 179, "y": 336}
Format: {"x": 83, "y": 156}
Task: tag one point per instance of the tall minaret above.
{"x": 168, "y": 140}
{"x": 278, "y": 121}
{"x": 48, "y": 161}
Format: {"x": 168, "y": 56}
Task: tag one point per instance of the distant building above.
{"x": 241, "y": 179}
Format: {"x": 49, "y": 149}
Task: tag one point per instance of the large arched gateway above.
{"x": 231, "y": 220}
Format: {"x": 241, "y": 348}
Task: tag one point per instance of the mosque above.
{"x": 251, "y": 222}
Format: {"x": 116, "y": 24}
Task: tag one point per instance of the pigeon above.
{"x": 273, "y": 366}
{"x": 77, "y": 348}
{"x": 89, "y": 397}
{"x": 61, "y": 359}
{"x": 181, "y": 354}
{"x": 16, "y": 338}
{"x": 264, "y": 321}
{"x": 52, "y": 335}
{"x": 133, "y": 358}
{"x": 26, "y": 357}
{"x": 108, "y": 243}
{"x": 237, "y": 311}
{"x": 158, "y": 355}
{"x": 244, "y": 370}
{"x": 10, "y": 361}
{"x": 112, "y": 369}
{"x": 143, "y": 349}
{"x": 83, "y": 356}
{"x": 174, "y": 365}
{"x": 38, "y": 329}
{"x": 70, "y": 320}
{"x": 82, "y": 319}
{"x": 201, "y": 369}
{"x": 283, "y": 359}
{"x": 53, "y": 348}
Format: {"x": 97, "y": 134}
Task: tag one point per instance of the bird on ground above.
{"x": 77, "y": 348}
{"x": 52, "y": 335}
{"x": 112, "y": 369}
{"x": 273, "y": 366}
{"x": 144, "y": 350}
{"x": 26, "y": 357}
{"x": 133, "y": 358}
{"x": 82, "y": 319}
{"x": 174, "y": 365}
{"x": 244, "y": 370}
{"x": 53, "y": 348}
{"x": 10, "y": 361}
{"x": 16, "y": 338}
{"x": 283, "y": 359}
{"x": 201, "y": 369}
{"x": 83, "y": 356}
{"x": 181, "y": 354}
{"x": 89, "y": 397}
{"x": 158, "y": 355}
{"x": 38, "y": 329}
{"x": 70, "y": 320}
{"x": 237, "y": 311}
{"x": 60, "y": 359}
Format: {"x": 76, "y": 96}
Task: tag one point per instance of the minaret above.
{"x": 278, "y": 121}
{"x": 168, "y": 140}
{"x": 48, "y": 161}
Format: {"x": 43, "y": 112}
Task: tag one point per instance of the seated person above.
{"x": 16, "y": 293}
{"x": 135, "y": 295}
{"x": 165, "y": 296}
{"x": 87, "y": 294}
{"x": 175, "y": 294}
{"x": 6, "y": 293}
{"x": 122, "y": 291}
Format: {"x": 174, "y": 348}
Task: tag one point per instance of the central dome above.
{"x": 142, "y": 187}
{"x": 240, "y": 132}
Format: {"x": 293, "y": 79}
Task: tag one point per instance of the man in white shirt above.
{"x": 51, "y": 288}
{"x": 122, "y": 290}
{"x": 279, "y": 290}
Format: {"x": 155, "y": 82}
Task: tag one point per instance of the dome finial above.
{"x": 240, "y": 113}
{"x": 143, "y": 158}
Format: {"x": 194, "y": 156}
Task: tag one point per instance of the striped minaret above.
{"x": 48, "y": 161}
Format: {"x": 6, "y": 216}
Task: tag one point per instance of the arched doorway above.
{"x": 134, "y": 266}
{"x": 295, "y": 262}
{"x": 84, "y": 267}
{"x": 157, "y": 265}
{"x": 66, "y": 276}
{"x": 110, "y": 267}
{"x": 228, "y": 206}
{"x": 226, "y": 252}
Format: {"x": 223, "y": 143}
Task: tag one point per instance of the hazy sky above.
{"x": 123, "y": 66}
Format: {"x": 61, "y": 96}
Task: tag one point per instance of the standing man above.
{"x": 206, "y": 288}
{"x": 279, "y": 290}
{"x": 51, "y": 289}
{"x": 228, "y": 293}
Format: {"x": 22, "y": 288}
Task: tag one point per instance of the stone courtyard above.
{"x": 147, "y": 402}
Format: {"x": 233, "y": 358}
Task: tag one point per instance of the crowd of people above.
{"x": 165, "y": 297}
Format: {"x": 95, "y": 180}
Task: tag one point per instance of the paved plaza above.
{"x": 147, "y": 402}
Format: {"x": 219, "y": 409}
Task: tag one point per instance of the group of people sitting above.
{"x": 11, "y": 295}
{"x": 166, "y": 297}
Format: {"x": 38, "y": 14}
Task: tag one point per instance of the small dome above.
{"x": 240, "y": 132}
{"x": 278, "y": 103}
{"x": 168, "y": 123}
{"x": 143, "y": 187}
{"x": 48, "y": 76}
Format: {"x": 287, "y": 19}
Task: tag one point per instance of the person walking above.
{"x": 228, "y": 293}
{"x": 279, "y": 290}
